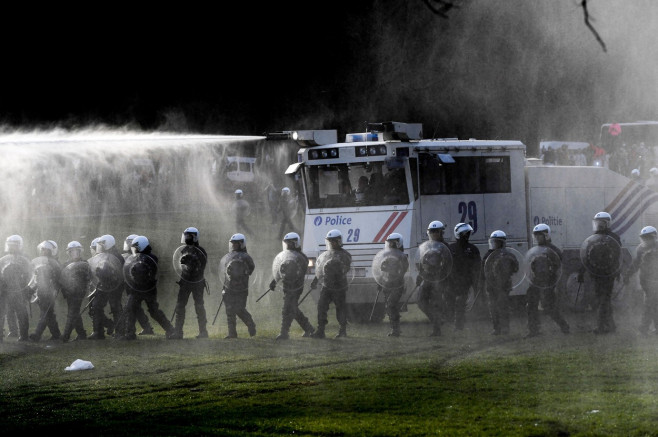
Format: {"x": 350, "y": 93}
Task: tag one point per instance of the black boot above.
{"x": 319, "y": 333}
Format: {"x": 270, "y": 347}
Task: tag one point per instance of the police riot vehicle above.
{"x": 389, "y": 179}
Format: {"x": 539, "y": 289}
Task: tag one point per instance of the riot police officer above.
{"x": 141, "y": 275}
{"x": 603, "y": 240}
{"x": 286, "y": 211}
{"x": 389, "y": 267}
{"x": 45, "y": 284}
{"x": 140, "y": 315}
{"x": 236, "y": 267}
{"x": 193, "y": 259}
{"x": 431, "y": 278}
{"x": 465, "y": 273}
{"x": 289, "y": 268}
{"x": 498, "y": 267}
{"x": 15, "y": 275}
{"x": 646, "y": 261}
{"x": 242, "y": 209}
{"x": 75, "y": 280}
{"x": 107, "y": 275}
{"x": 332, "y": 268}
{"x": 545, "y": 260}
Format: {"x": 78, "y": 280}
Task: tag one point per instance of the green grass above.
{"x": 464, "y": 383}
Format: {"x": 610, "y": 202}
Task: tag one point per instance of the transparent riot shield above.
{"x": 15, "y": 272}
{"x": 434, "y": 261}
{"x": 649, "y": 271}
{"x": 141, "y": 272}
{"x": 504, "y": 268}
{"x": 234, "y": 272}
{"x": 75, "y": 278}
{"x": 43, "y": 278}
{"x": 389, "y": 267}
{"x": 106, "y": 272}
{"x": 601, "y": 255}
{"x": 543, "y": 267}
{"x": 334, "y": 270}
{"x": 289, "y": 268}
{"x": 189, "y": 263}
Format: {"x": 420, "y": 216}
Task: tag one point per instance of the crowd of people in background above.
{"x": 636, "y": 161}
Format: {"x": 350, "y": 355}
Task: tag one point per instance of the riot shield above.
{"x": 141, "y": 272}
{"x": 234, "y": 272}
{"x": 43, "y": 277}
{"x": 106, "y": 272}
{"x": 601, "y": 255}
{"x": 434, "y": 261}
{"x": 543, "y": 266}
{"x": 649, "y": 270}
{"x": 334, "y": 270}
{"x": 389, "y": 267}
{"x": 289, "y": 267}
{"x": 189, "y": 263}
{"x": 75, "y": 278}
{"x": 503, "y": 268}
{"x": 15, "y": 272}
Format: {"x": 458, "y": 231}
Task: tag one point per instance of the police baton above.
{"x": 302, "y": 299}
{"x": 91, "y": 298}
{"x": 379, "y": 290}
{"x": 575, "y": 302}
{"x": 409, "y": 297}
{"x": 219, "y": 308}
{"x": 263, "y": 295}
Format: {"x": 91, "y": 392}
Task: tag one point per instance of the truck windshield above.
{"x": 367, "y": 184}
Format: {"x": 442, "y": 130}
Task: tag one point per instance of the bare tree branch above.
{"x": 587, "y": 23}
{"x": 442, "y": 9}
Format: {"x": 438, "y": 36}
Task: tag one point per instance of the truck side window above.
{"x": 431, "y": 175}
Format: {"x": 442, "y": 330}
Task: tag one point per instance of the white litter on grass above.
{"x": 80, "y": 365}
{"x": 594, "y": 411}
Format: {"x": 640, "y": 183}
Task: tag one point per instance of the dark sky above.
{"x": 494, "y": 69}
{"x": 235, "y": 62}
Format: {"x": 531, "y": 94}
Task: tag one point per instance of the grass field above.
{"x": 463, "y": 383}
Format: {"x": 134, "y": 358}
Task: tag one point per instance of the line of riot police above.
{"x": 446, "y": 274}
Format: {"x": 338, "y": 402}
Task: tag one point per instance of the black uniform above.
{"x": 15, "y": 275}
{"x": 465, "y": 272}
{"x": 286, "y": 215}
{"x": 193, "y": 259}
{"x": 241, "y": 208}
{"x": 394, "y": 289}
{"x": 109, "y": 289}
{"x": 431, "y": 299}
{"x": 603, "y": 286}
{"x": 140, "y": 314}
{"x": 295, "y": 265}
{"x": 646, "y": 261}
{"x": 334, "y": 289}
{"x": 46, "y": 286}
{"x": 548, "y": 299}
{"x": 497, "y": 283}
{"x": 239, "y": 266}
{"x": 76, "y": 282}
{"x": 142, "y": 268}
